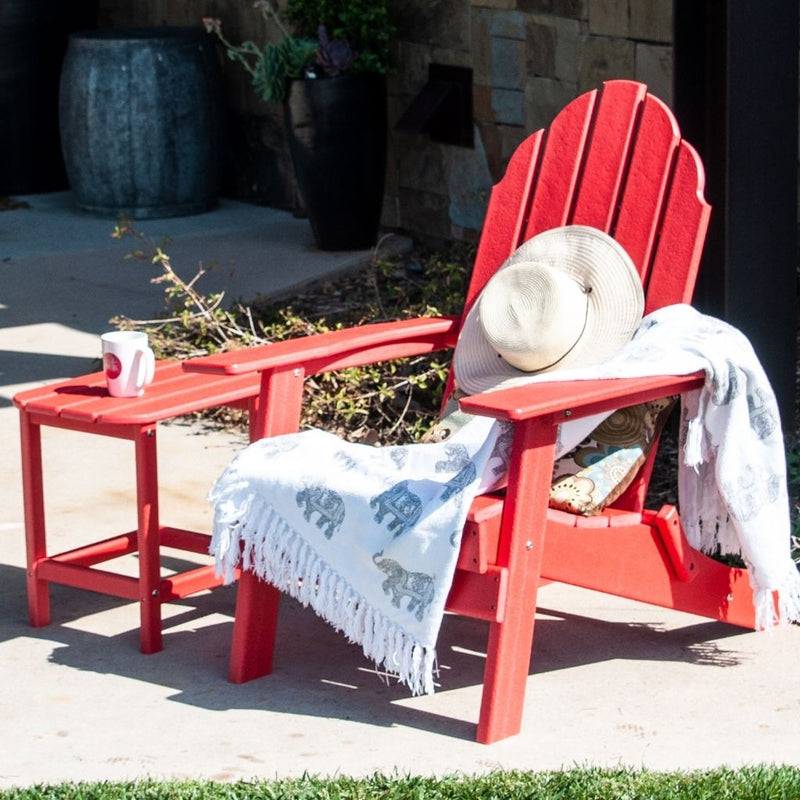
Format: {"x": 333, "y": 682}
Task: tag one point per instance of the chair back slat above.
{"x": 506, "y": 215}
{"x": 649, "y": 173}
{"x": 605, "y": 168}
{"x": 682, "y": 234}
{"x": 559, "y": 172}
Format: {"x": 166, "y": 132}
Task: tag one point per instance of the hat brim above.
{"x": 615, "y": 307}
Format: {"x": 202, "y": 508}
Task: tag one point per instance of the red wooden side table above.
{"x": 83, "y": 404}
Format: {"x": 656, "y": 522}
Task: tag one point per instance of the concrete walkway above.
{"x": 612, "y": 682}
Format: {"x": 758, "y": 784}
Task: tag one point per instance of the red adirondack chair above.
{"x": 612, "y": 159}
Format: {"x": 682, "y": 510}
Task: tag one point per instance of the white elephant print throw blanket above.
{"x": 366, "y": 536}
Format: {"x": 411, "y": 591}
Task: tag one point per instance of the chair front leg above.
{"x": 257, "y": 602}
{"x": 254, "y": 629}
{"x": 521, "y": 545}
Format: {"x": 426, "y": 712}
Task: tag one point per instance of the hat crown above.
{"x": 532, "y": 315}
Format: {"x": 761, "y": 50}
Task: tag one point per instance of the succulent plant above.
{"x": 335, "y": 56}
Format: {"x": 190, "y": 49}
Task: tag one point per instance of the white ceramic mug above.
{"x": 128, "y": 362}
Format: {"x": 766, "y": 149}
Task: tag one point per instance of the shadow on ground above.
{"x": 317, "y": 672}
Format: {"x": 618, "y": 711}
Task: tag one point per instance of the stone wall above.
{"x": 528, "y": 59}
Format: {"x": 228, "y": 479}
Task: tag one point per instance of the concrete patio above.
{"x": 612, "y": 681}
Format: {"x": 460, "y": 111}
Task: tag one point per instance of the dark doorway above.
{"x": 736, "y": 96}
{"x": 33, "y": 39}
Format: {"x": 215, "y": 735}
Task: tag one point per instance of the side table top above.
{"x": 173, "y": 392}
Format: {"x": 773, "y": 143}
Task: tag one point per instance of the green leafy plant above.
{"x": 272, "y": 65}
{"x": 391, "y": 402}
{"x": 332, "y": 38}
{"x": 364, "y": 24}
{"x": 193, "y": 324}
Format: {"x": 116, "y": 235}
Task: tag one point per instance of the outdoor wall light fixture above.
{"x": 443, "y": 109}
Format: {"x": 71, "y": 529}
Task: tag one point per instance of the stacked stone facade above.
{"x": 528, "y": 59}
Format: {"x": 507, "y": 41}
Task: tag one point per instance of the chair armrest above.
{"x": 581, "y": 398}
{"x": 339, "y": 349}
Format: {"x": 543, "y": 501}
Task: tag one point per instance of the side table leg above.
{"x": 35, "y": 535}
{"x": 148, "y": 540}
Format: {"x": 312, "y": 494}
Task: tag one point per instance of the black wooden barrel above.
{"x": 141, "y": 117}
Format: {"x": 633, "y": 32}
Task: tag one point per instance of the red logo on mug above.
{"x": 112, "y": 365}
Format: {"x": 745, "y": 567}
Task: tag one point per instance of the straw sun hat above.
{"x": 569, "y": 297}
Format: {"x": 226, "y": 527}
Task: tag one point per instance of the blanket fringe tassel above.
{"x": 275, "y": 553}
{"x": 788, "y": 606}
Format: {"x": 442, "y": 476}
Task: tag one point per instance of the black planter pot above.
{"x": 141, "y": 117}
{"x": 337, "y": 135}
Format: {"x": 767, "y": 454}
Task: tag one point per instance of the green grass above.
{"x": 747, "y": 783}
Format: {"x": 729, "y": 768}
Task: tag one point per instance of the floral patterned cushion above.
{"x": 596, "y": 472}
{"x": 602, "y": 466}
